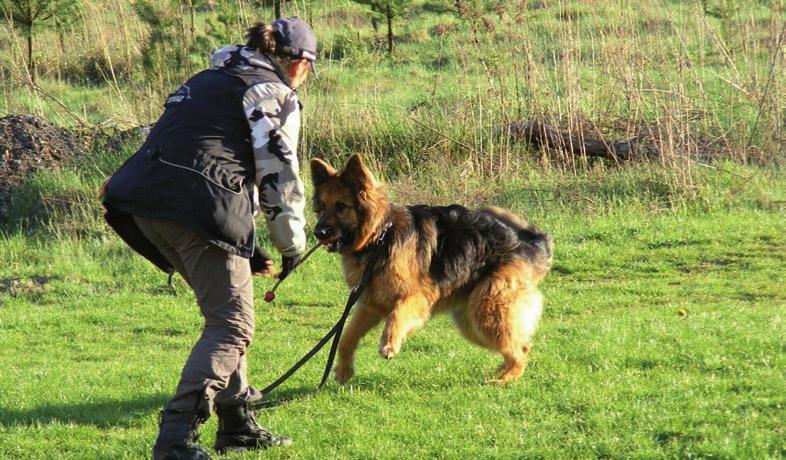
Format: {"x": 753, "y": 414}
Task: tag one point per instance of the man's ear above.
{"x": 356, "y": 175}
{"x": 321, "y": 172}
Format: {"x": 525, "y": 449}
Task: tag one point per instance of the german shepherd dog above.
{"x": 482, "y": 267}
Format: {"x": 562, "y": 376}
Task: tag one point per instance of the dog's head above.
{"x": 350, "y": 205}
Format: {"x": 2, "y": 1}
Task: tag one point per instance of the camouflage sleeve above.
{"x": 273, "y": 113}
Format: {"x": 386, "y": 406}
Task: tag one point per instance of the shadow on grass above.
{"x": 118, "y": 413}
{"x": 373, "y": 382}
{"x": 285, "y": 396}
{"x": 295, "y": 303}
{"x": 130, "y": 412}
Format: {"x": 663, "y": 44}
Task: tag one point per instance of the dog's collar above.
{"x": 375, "y": 251}
{"x": 372, "y": 252}
{"x": 376, "y": 241}
{"x": 381, "y": 239}
{"x": 384, "y": 233}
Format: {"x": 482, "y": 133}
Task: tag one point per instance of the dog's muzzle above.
{"x": 328, "y": 237}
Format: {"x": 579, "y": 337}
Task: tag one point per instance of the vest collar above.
{"x": 240, "y": 58}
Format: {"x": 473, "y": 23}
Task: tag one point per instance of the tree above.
{"x": 31, "y": 15}
{"x": 388, "y": 10}
{"x": 165, "y": 54}
{"x": 266, "y": 4}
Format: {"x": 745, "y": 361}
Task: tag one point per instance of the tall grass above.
{"x": 697, "y": 80}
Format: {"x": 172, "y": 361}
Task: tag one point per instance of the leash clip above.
{"x": 384, "y": 233}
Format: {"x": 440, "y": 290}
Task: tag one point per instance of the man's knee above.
{"x": 237, "y": 336}
{"x": 235, "y": 313}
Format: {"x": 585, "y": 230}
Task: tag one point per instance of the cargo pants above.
{"x": 215, "y": 372}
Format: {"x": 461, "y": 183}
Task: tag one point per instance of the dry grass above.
{"x": 698, "y": 81}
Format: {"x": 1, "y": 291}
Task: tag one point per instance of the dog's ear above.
{"x": 321, "y": 172}
{"x": 356, "y": 175}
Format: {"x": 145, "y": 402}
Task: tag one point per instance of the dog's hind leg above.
{"x": 362, "y": 321}
{"x": 406, "y": 318}
{"x": 524, "y": 313}
{"x": 504, "y": 310}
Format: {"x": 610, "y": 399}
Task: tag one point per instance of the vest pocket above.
{"x": 216, "y": 175}
{"x": 208, "y": 165}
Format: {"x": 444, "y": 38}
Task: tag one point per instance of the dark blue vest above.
{"x": 196, "y": 167}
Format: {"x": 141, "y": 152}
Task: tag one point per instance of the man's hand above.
{"x": 287, "y": 265}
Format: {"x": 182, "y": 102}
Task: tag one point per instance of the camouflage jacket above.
{"x": 273, "y": 113}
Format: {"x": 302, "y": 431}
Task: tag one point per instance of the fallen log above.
{"x": 540, "y": 135}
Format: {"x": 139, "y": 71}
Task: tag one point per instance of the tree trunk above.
{"x": 277, "y": 6}
{"x": 390, "y": 30}
{"x": 30, "y": 62}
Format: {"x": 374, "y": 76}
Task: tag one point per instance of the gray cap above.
{"x": 296, "y": 39}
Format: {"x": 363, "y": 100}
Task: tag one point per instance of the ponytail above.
{"x": 262, "y": 37}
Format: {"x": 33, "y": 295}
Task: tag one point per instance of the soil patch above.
{"x": 29, "y": 144}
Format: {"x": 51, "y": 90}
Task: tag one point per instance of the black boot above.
{"x": 177, "y": 437}
{"x": 238, "y": 430}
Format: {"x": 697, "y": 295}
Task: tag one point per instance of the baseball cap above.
{"x": 296, "y": 39}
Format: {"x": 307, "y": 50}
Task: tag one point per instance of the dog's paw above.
{"x": 496, "y": 382}
{"x": 343, "y": 374}
{"x": 388, "y": 351}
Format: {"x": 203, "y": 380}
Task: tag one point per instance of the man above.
{"x": 225, "y": 146}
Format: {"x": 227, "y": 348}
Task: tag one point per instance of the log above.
{"x": 541, "y": 135}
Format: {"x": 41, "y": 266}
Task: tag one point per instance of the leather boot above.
{"x": 178, "y": 437}
{"x": 238, "y": 430}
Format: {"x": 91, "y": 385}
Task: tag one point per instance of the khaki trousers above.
{"x": 215, "y": 371}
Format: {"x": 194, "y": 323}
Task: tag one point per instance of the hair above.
{"x": 262, "y": 37}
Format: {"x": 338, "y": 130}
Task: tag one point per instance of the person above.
{"x": 225, "y": 146}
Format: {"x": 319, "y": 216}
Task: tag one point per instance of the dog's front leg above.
{"x": 363, "y": 320}
{"x": 407, "y": 317}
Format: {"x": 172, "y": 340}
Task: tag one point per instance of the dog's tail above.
{"x": 537, "y": 242}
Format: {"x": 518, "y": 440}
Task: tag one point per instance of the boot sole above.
{"x": 252, "y": 444}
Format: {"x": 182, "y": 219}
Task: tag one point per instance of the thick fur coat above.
{"x": 480, "y": 266}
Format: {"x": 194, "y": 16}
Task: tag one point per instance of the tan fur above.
{"x": 500, "y": 312}
{"x": 102, "y": 188}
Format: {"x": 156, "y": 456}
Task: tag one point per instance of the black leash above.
{"x": 337, "y": 329}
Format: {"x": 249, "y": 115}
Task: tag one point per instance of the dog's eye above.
{"x": 340, "y": 207}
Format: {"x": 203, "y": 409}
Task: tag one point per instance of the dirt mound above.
{"x": 29, "y": 144}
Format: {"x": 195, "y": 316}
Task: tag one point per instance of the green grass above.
{"x": 663, "y": 336}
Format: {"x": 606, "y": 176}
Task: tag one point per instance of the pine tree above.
{"x": 31, "y": 15}
{"x": 389, "y": 10}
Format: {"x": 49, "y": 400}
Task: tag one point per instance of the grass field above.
{"x": 663, "y": 336}
{"x": 663, "y": 333}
